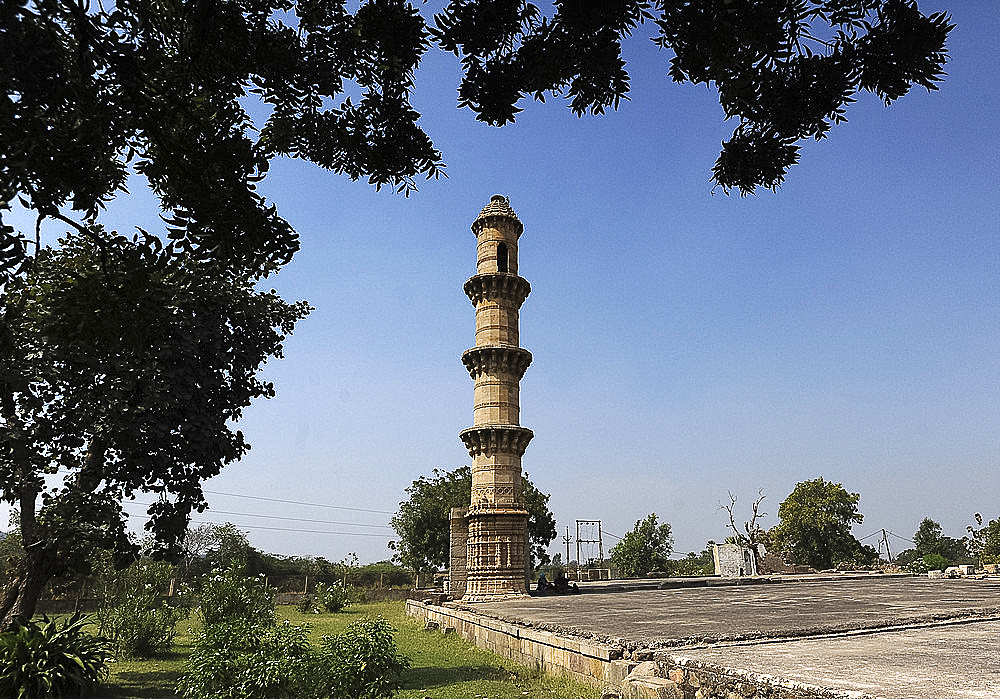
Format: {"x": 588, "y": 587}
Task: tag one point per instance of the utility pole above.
{"x": 885, "y": 540}
{"x": 599, "y": 540}
{"x": 567, "y": 540}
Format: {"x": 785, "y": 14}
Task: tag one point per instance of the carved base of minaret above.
{"x": 497, "y": 555}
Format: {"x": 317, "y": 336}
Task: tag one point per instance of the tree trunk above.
{"x": 21, "y": 595}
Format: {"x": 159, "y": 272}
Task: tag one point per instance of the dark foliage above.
{"x": 423, "y": 524}
{"x": 984, "y": 541}
{"x": 786, "y": 70}
{"x": 929, "y": 539}
{"x": 123, "y": 371}
{"x": 814, "y": 526}
{"x": 51, "y": 658}
{"x": 94, "y": 92}
{"x": 646, "y": 549}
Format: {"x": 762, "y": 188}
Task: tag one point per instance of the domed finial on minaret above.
{"x": 496, "y": 566}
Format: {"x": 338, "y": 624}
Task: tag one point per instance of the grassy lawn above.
{"x": 443, "y": 667}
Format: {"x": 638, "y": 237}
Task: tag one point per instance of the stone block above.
{"x": 644, "y": 669}
{"x": 618, "y": 670}
{"x": 651, "y": 688}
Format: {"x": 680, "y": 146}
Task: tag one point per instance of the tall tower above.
{"x": 497, "y": 562}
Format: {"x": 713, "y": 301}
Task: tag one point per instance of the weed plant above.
{"x": 229, "y": 596}
{"x": 441, "y": 667}
{"x": 51, "y": 659}
{"x": 135, "y": 618}
{"x": 361, "y": 662}
{"x": 239, "y": 659}
{"x": 331, "y": 598}
{"x": 446, "y": 666}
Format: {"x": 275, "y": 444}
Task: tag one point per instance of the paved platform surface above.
{"x": 896, "y": 638}
{"x": 953, "y": 661}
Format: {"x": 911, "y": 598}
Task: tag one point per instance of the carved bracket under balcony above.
{"x": 494, "y": 359}
{"x": 497, "y": 286}
{"x": 496, "y": 439}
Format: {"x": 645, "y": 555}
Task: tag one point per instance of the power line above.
{"x": 300, "y": 519}
{"x": 291, "y": 519}
{"x": 901, "y": 537}
{"x": 295, "y": 531}
{"x": 300, "y": 531}
{"x": 296, "y": 502}
{"x": 259, "y": 497}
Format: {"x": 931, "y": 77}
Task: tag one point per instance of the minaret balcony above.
{"x": 494, "y": 359}
{"x": 496, "y": 439}
{"x": 497, "y": 286}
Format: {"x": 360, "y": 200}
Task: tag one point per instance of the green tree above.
{"x": 96, "y": 92}
{"x": 423, "y": 526}
{"x": 213, "y": 546}
{"x": 984, "y": 542}
{"x": 929, "y": 540}
{"x": 695, "y": 564}
{"x": 645, "y": 549}
{"x": 814, "y": 525}
{"x": 122, "y": 370}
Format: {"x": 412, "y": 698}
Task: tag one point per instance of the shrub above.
{"x": 241, "y": 659}
{"x": 229, "y": 596}
{"x": 916, "y": 566}
{"x": 135, "y": 618}
{"x": 329, "y": 598}
{"x": 137, "y": 630}
{"x": 306, "y": 604}
{"x": 935, "y": 561}
{"x": 51, "y": 659}
{"x": 363, "y": 662}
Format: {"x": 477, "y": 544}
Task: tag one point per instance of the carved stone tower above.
{"x": 497, "y": 548}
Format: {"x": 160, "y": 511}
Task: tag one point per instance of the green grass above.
{"x": 154, "y": 678}
{"x": 442, "y": 667}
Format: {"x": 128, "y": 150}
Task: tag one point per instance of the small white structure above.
{"x": 734, "y": 561}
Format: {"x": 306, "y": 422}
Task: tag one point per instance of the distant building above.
{"x": 734, "y": 561}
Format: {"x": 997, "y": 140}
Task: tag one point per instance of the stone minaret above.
{"x": 497, "y": 548}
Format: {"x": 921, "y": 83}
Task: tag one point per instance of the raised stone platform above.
{"x": 815, "y": 636}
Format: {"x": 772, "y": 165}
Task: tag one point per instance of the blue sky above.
{"x": 685, "y": 343}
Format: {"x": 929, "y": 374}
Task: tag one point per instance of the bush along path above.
{"x": 244, "y": 652}
{"x": 367, "y": 651}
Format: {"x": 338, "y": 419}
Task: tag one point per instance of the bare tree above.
{"x": 752, "y": 533}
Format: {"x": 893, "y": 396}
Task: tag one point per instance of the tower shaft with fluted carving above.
{"x": 497, "y": 564}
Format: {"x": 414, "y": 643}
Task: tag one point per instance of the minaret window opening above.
{"x": 502, "y": 257}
